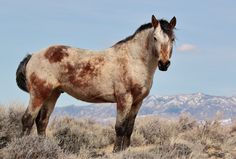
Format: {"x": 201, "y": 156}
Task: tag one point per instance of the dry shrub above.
{"x": 156, "y": 131}
{"x": 132, "y": 154}
{"x": 3, "y": 134}
{"x": 233, "y": 128}
{"x": 212, "y": 139}
{"x": 214, "y": 151}
{"x": 153, "y": 137}
{"x": 170, "y": 150}
{"x": 185, "y": 123}
{"x": 137, "y": 139}
{"x": 206, "y": 132}
{"x": 180, "y": 150}
{"x": 10, "y": 123}
{"x": 213, "y": 131}
{"x": 91, "y": 153}
{"x": 137, "y": 155}
{"x": 229, "y": 144}
{"x": 33, "y": 147}
{"x": 74, "y": 134}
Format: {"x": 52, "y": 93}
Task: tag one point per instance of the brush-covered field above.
{"x": 153, "y": 138}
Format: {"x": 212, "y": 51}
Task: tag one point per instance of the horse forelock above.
{"x": 166, "y": 28}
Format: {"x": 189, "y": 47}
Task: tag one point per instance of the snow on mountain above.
{"x": 198, "y": 105}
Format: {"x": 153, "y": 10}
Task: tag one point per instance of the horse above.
{"x": 122, "y": 74}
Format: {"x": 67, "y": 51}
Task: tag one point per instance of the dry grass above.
{"x": 153, "y": 138}
{"x": 74, "y": 135}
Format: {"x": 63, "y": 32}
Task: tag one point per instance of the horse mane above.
{"x": 165, "y": 26}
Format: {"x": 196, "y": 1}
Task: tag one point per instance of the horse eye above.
{"x": 155, "y": 38}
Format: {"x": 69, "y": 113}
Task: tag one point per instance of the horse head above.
{"x": 162, "y": 41}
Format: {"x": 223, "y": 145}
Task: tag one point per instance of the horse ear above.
{"x": 173, "y": 22}
{"x": 154, "y": 21}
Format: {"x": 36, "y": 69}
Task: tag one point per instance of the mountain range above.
{"x": 198, "y": 105}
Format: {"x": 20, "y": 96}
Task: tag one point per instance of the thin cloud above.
{"x": 186, "y": 47}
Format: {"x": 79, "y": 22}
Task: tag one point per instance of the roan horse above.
{"x": 121, "y": 74}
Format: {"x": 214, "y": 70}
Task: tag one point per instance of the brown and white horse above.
{"x": 121, "y": 74}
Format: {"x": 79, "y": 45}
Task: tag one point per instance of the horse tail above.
{"x": 21, "y": 74}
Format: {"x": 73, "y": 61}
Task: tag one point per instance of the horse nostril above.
{"x": 167, "y": 63}
{"x": 160, "y": 63}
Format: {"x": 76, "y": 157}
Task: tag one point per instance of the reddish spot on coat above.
{"x": 70, "y": 73}
{"x": 40, "y": 89}
{"x": 120, "y": 99}
{"x": 138, "y": 93}
{"x": 37, "y": 102}
{"x": 122, "y": 62}
{"x": 56, "y": 53}
{"x": 81, "y": 74}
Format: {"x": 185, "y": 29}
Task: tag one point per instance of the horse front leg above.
{"x": 130, "y": 122}
{"x": 126, "y": 114}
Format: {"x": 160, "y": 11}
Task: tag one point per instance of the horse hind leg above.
{"x": 39, "y": 91}
{"x": 30, "y": 114}
{"x": 45, "y": 112}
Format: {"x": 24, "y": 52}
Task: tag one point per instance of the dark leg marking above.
{"x": 45, "y": 112}
{"x": 41, "y": 121}
{"x": 124, "y": 128}
{"x": 27, "y": 122}
{"x": 123, "y": 134}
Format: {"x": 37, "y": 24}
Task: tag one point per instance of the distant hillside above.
{"x": 198, "y": 105}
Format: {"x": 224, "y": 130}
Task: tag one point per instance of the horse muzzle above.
{"x": 163, "y": 66}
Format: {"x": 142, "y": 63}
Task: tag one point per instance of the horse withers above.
{"x": 121, "y": 74}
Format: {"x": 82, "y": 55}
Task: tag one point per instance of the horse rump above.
{"x": 21, "y": 74}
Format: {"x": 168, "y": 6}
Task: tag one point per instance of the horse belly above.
{"x": 88, "y": 78}
{"x": 91, "y": 93}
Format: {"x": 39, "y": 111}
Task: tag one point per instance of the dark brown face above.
{"x": 163, "y": 39}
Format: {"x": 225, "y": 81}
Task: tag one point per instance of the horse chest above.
{"x": 139, "y": 92}
{"x": 141, "y": 85}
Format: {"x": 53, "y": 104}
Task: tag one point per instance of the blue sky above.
{"x": 204, "y": 57}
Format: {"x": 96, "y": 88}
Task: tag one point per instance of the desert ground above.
{"x": 153, "y": 138}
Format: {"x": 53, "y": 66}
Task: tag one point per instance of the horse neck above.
{"x": 140, "y": 48}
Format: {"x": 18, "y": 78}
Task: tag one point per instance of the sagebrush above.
{"x": 153, "y": 138}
